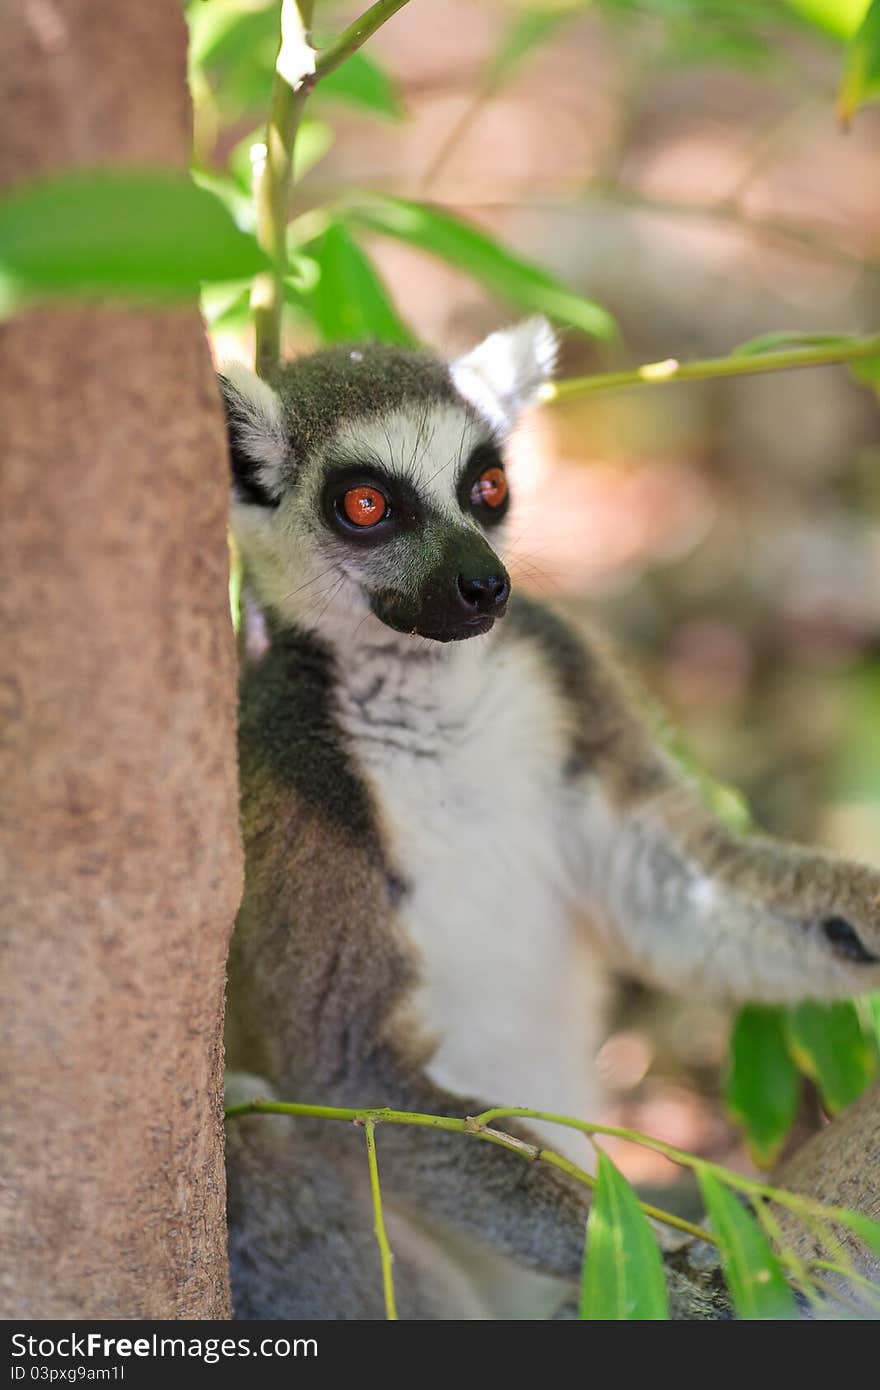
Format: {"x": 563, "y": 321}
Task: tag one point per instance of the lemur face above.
{"x": 370, "y": 483}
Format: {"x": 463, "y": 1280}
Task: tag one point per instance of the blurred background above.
{"x": 680, "y": 163}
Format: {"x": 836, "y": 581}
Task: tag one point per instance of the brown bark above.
{"x": 839, "y": 1166}
{"x": 119, "y": 853}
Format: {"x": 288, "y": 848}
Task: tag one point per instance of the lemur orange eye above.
{"x": 364, "y": 506}
{"x": 490, "y": 488}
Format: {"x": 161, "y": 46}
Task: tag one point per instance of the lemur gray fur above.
{"x": 446, "y": 839}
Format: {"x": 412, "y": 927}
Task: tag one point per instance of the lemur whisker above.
{"x": 334, "y": 590}
{"x": 417, "y": 446}
{"x": 314, "y": 580}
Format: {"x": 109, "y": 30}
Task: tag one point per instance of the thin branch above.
{"x": 743, "y": 364}
{"x": 475, "y": 1128}
{"x": 807, "y": 1209}
{"x": 804, "y": 1207}
{"x": 385, "y": 1254}
{"x": 272, "y": 184}
{"x": 274, "y": 179}
{"x": 351, "y": 39}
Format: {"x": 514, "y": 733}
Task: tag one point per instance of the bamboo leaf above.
{"x": 472, "y": 250}
{"x": 830, "y": 1043}
{"x": 233, "y": 46}
{"x": 866, "y": 371}
{"x": 861, "y": 73}
{"x": 146, "y": 233}
{"x": 227, "y": 306}
{"x": 623, "y": 1272}
{"x": 839, "y": 18}
{"x": 361, "y": 81}
{"x": 349, "y": 301}
{"x": 526, "y": 32}
{"x": 754, "y": 1277}
{"x": 313, "y": 139}
{"x": 790, "y": 338}
{"x": 763, "y": 1085}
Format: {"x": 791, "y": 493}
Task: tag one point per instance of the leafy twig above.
{"x": 738, "y": 364}
{"x": 473, "y": 1127}
{"x": 351, "y": 39}
{"x": 272, "y": 185}
{"x": 274, "y": 178}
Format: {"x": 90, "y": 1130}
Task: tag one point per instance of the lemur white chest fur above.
{"x": 463, "y": 750}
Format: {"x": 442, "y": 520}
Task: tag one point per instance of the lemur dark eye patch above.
{"x": 367, "y": 504}
{"x": 846, "y": 942}
{"x": 483, "y": 488}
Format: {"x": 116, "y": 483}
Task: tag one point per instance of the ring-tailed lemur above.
{"x": 444, "y": 835}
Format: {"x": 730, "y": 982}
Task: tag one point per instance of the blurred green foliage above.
{"x": 133, "y": 233}
{"x": 861, "y": 76}
{"x": 772, "y": 1050}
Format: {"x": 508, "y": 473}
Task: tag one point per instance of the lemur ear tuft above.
{"x": 257, "y": 443}
{"x": 506, "y": 371}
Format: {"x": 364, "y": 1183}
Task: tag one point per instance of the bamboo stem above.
{"x": 743, "y": 364}
{"x": 351, "y": 39}
{"x": 385, "y": 1256}
{"x": 476, "y": 1128}
{"x": 273, "y": 180}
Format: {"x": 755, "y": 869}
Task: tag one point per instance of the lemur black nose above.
{"x": 485, "y": 595}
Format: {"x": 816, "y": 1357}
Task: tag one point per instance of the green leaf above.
{"x": 780, "y": 341}
{"x": 349, "y": 302}
{"x": 150, "y": 233}
{"x": 461, "y": 244}
{"x": 233, "y": 197}
{"x": 233, "y": 46}
{"x": 763, "y": 1084}
{"x": 861, "y": 72}
{"x": 221, "y": 29}
{"x": 753, "y": 1274}
{"x": 623, "y": 1272}
{"x": 830, "y": 1044}
{"x": 867, "y": 370}
{"x": 872, "y": 1004}
{"x": 227, "y": 306}
{"x": 527, "y": 31}
{"x": 360, "y": 81}
{"x": 839, "y": 18}
{"x": 313, "y": 140}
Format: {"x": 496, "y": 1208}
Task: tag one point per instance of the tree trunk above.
{"x": 839, "y": 1166}
{"x": 120, "y": 868}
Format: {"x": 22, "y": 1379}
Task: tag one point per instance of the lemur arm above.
{"x": 682, "y": 901}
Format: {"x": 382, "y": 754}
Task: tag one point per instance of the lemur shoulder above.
{"x": 454, "y": 818}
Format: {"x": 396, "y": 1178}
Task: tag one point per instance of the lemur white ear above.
{"x": 506, "y": 371}
{"x": 257, "y": 443}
